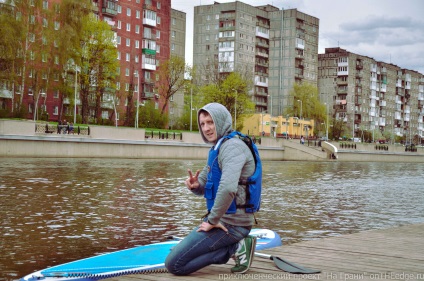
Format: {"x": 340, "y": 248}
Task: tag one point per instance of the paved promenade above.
{"x": 387, "y": 254}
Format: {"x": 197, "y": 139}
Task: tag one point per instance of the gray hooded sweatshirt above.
{"x": 236, "y": 163}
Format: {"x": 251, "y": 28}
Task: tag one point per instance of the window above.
{"x": 158, "y": 5}
{"x": 157, "y": 34}
{"x": 137, "y": 44}
{"x": 136, "y": 58}
{"x": 129, "y": 12}
{"x": 173, "y": 33}
{"x": 119, "y": 9}
{"x": 128, "y": 42}
{"x": 128, "y": 26}
{"x": 56, "y": 110}
{"x": 119, "y": 55}
{"x": 45, "y": 5}
{"x": 118, "y": 40}
{"x": 158, "y": 20}
{"x": 137, "y": 29}
{"x": 56, "y": 25}
{"x": 137, "y": 14}
{"x": 119, "y": 24}
{"x": 127, "y": 72}
{"x": 173, "y": 21}
{"x": 127, "y": 57}
{"x": 172, "y": 47}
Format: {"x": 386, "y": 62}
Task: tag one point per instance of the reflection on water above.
{"x": 58, "y": 210}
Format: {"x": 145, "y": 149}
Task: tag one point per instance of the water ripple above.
{"x": 58, "y": 210}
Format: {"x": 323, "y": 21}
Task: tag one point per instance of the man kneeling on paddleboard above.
{"x": 224, "y": 182}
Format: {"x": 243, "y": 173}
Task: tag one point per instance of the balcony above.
{"x": 149, "y": 17}
{"x": 262, "y": 54}
{"x": 261, "y": 81}
{"x": 261, "y": 32}
{"x": 148, "y": 51}
{"x": 262, "y": 44}
{"x": 147, "y": 95}
{"x": 110, "y": 8}
{"x": 148, "y": 62}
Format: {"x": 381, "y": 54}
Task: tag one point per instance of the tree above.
{"x": 11, "y": 33}
{"x": 306, "y": 103}
{"x": 233, "y": 94}
{"x": 98, "y": 65}
{"x": 171, "y": 79}
{"x": 150, "y": 117}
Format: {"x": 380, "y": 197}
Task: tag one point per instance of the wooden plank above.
{"x": 385, "y": 254}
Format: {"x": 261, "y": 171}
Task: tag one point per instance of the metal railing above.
{"x": 164, "y": 135}
{"x": 44, "y": 129}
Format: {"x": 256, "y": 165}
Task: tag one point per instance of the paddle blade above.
{"x": 292, "y": 267}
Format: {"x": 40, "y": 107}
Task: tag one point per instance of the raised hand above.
{"x": 192, "y": 181}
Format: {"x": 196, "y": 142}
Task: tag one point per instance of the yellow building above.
{"x": 278, "y": 126}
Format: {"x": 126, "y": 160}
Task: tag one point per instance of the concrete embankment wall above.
{"x": 18, "y": 139}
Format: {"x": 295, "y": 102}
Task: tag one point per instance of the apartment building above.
{"x": 371, "y": 95}
{"x": 142, "y": 31}
{"x": 143, "y": 39}
{"x": 275, "y": 48}
{"x": 177, "y": 41}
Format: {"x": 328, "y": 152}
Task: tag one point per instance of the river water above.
{"x": 58, "y": 210}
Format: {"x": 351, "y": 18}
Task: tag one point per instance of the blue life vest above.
{"x": 253, "y": 183}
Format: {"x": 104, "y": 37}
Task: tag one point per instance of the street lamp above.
{"x": 138, "y": 98}
{"x": 114, "y": 108}
{"x": 191, "y": 107}
{"x": 235, "y": 109}
{"x": 301, "y": 109}
{"x": 326, "y": 126}
{"x": 287, "y": 127}
{"x": 36, "y": 104}
{"x": 270, "y": 112}
{"x": 75, "y": 94}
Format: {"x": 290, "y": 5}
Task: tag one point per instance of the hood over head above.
{"x": 221, "y": 118}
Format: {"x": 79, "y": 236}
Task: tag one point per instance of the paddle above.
{"x": 288, "y": 266}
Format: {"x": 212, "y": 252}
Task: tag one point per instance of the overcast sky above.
{"x": 391, "y": 31}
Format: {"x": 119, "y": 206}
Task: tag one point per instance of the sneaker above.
{"x": 244, "y": 254}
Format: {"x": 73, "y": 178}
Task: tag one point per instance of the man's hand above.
{"x": 205, "y": 226}
{"x": 193, "y": 181}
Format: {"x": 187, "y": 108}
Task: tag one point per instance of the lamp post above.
{"x": 301, "y": 109}
{"x": 287, "y": 127}
{"x": 138, "y": 98}
{"x": 114, "y": 108}
{"x": 191, "y": 107}
{"x": 326, "y": 126}
{"x": 235, "y": 109}
{"x": 270, "y": 121}
{"x": 36, "y": 104}
{"x": 75, "y": 95}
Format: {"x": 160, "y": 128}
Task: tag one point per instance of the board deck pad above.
{"x": 130, "y": 261}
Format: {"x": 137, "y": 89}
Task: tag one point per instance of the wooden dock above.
{"x": 386, "y": 254}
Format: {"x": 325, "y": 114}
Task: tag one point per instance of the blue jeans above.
{"x": 200, "y": 249}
